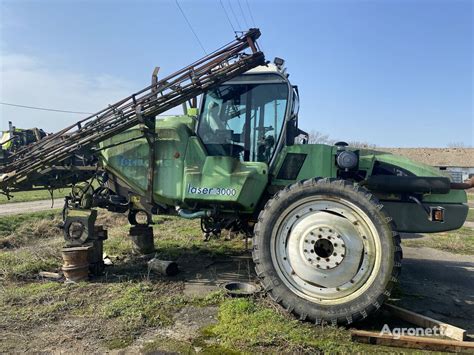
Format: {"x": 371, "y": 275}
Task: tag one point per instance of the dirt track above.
{"x": 8, "y": 209}
{"x": 440, "y": 285}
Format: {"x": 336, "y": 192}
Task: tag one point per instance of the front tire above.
{"x": 326, "y": 251}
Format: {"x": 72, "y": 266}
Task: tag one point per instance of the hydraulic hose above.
{"x": 192, "y": 215}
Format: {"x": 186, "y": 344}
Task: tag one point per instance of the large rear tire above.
{"x": 326, "y": 251}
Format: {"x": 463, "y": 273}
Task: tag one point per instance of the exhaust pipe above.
{"x": 468, "y": 184}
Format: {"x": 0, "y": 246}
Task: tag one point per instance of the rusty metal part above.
{"x": 29, "y": 163}
{"x": 468, "y": 184}
{"x": 163, "y": 267}
{"x": 79, "y": 226}
{"x": 142, "y": 239}
{"x": 76, "y": 263}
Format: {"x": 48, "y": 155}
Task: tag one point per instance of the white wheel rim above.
{"x": 326, "y": 250}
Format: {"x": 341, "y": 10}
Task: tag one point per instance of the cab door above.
{"x": 238, "y": 131}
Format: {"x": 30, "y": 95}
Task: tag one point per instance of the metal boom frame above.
{"x": 23, "y": 167}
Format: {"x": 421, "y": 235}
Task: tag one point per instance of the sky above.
{"x": 394, "y": 73}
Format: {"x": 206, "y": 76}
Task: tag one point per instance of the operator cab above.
{"x": 244, "y": 117}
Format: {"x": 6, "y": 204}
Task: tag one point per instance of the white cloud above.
{"x": 26, "y": 80}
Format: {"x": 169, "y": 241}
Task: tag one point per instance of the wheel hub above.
{"x": 324, "y": 248}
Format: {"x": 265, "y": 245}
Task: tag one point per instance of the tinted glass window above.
{"x": 243, "y": 120}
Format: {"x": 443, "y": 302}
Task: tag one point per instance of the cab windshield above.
{"x": 244, "y": 119}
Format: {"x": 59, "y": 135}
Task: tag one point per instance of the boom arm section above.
{"x": 26, "y": 167}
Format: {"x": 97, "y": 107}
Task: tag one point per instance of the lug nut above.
{"x": 335, "y": 254}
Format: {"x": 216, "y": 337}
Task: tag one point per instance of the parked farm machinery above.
{"x": 325, "y": 220}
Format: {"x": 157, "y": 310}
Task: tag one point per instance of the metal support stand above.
{"x": 142, "y": 239}
{"x": 80, "y": 231}
{"x": 96, "y": 252}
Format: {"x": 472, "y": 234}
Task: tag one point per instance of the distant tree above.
{"x": 365, "y": 145}
{"x": 458, "y": 145}
{"x": 316, "y": 137}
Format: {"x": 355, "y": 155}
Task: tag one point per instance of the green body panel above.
{"x": 226, "y": 180}
{"x": 128, "y": 161}
{"x": 418, "y": 169}
{"x": 319, "y": 162}
{"x": 172, "y": 136}
{"x": 184, "y": 174}
{"x": 408, "y": 216}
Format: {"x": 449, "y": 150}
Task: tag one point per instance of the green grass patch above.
{"x": 124, "y": 310}
{"x": 26, "y": 263}
{"x": 33, "y": 304}
{"x": 470, "y": 197}
{"x": 19, "y": 230}
{"x": 174, "y": 237}
{"x": 22, "y": 255}
{"x": 470, "y": 215}
{"x": 139, "y": 304}
{"x": 161, "y": 345}
{"x": 248, "y": 325}
{"x": 460, "y": 241}
{"x": 36, "y": 195}
{"x": 10, "y": 224}
{"x": 125, "y": 303}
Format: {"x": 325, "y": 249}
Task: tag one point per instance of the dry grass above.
{"x": 460, "y": 241}
{"x": 37, "y": 195}
{"x": 470, "y": 215}
{"x": 28, "y": 232}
